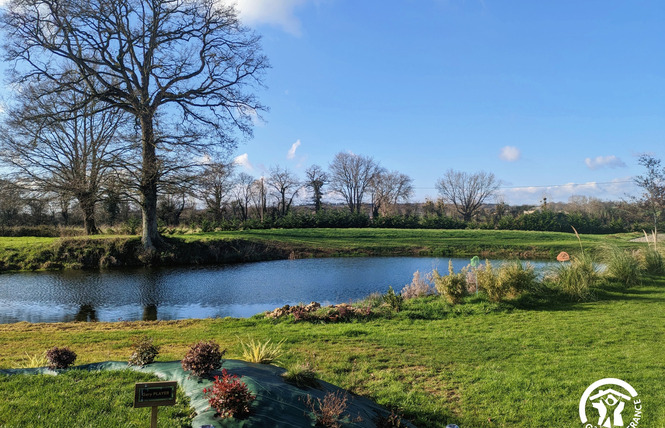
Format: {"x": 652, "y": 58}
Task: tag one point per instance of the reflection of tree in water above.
{"x": 150, "y": 312}
{"x": 150, "y": 293}
{"x": 86, "y": 313}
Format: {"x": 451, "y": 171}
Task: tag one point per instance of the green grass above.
{"x": 519, "y": 364}
{"x": 79, "y": 398}
{"x": 252, "y": 245}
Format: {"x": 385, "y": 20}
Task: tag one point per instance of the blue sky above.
{"x": 563, "y": 93}
{"x": 555, "y": 98}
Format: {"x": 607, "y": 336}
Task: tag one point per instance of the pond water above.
{"x": 240, "y": 290}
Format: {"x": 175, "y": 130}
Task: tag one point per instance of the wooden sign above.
{"x": 153, "y": 394}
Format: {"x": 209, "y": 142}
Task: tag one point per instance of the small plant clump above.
{"x": 393, "y": 420}
{"x": 144, "y": 353}
{"x": 652, "y": 261}
{"x": 623, "y": 266}
{"x": 393, "y": 300}
{"x": 203, "y": 357}
{"x": 301, "y": 375}
{"x": 33, "y": 361}
{"x": 577, "y": 277}
{"x": 262, "y": 353}
{"x": 329, "y": 412}
{"x": 419, "y": 287}
{"x": 452, "y": 286}
{"x": 229, "y": 396}
{"x": 60, "y": 358}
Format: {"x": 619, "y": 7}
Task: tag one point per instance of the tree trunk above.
{"x": 87, "y": 203}
{"x": 149, "y": 177}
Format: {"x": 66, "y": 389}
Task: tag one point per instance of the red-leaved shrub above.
{"x": 203, "y": 357}
{"x": 229, "y": 396}
{"x": 60, "y": 358}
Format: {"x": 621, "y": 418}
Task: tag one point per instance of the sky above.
{"x": 555, "y": 98}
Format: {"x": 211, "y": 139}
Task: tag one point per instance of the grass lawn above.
{"x": 521, "y": 364}
{"x": 79, "y": 398}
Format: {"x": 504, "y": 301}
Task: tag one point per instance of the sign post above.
{"x": 154, "y": 394}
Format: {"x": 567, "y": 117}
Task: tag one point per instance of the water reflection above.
{"x": 203, "y": 292}
{"x": 86, "y": 313}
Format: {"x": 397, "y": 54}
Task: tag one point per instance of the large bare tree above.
{"x": 57, "y": 144}
{"x": 388, "y": 189}
{"x": 467, "y": 192}
{"x": 185, "y": 69}
{"x": 350, "y": 176}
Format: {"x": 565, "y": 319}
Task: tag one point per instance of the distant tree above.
{"x": 653, "y": 186}
{"x": 60, "y": 145}
{"x": 215, "y": 184}
{"x": 467, "y": 192}
{"x": 285, "y": 186}
{"x": 388, "y": 189}
{"x": 351, "y": 176}
{"x": 259, "y": 194}
{"x": 183, "y": 69}
{"x": 316, "y": 179}
{"x": 242, "y": 191}
{"x": 12, "y": 203}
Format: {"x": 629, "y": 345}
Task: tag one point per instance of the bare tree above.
{"x": 243, "y": 194}
{"x": 350, "y": 176}
{"x": 316, "y": 179}
{"x": 653, "y": 185}
{"x": 214, "y": 186}
{"x": 388, "y": 189}
{"x": 467, "y": 192}
{"x": 260, "y": 197}
{"x": 285, "y": 186}
{"x": 62, "y": 146}
{"x": 182, "y": 68}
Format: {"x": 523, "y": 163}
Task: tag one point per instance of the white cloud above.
{"x": 280, "y": 13}
{"x": 292, "y": 151}
{"x": 510, "y": 154}
{"x": 616, "y": 189}
{"x": 243, "y": 161}
{"x": 604, "y": 161}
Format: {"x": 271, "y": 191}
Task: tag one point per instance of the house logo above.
{"x": 614, "y": 402}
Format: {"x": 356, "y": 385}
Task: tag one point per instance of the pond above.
{"x": 240, "y": 290}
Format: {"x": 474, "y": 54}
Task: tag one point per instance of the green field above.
{"x": 31, "y": 253}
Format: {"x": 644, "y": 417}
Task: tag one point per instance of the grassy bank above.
{"x": 524, "y": 363}
{"x": 31, "y": 253}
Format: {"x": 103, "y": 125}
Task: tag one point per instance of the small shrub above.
{"x": 419, "y": 287}
{"x": 203, "y": 357}
{"x": 451, "y": 286}
{"x": 229, "y": 396}
{"x": 487, "y": 280}
{"x": 575, "y": 278}
{"x": 623, "y": 266}
{"x": 262, "y": 353}
{"x": 60, "y": 358}
{"x": 652, "y": 261}
{"x": 301, "y": 375}
{"x": 516, "y": 277}
{"x": 144, "y": 352}
{"x": 329, "y": 412}
{"x": 393, "y": 300}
